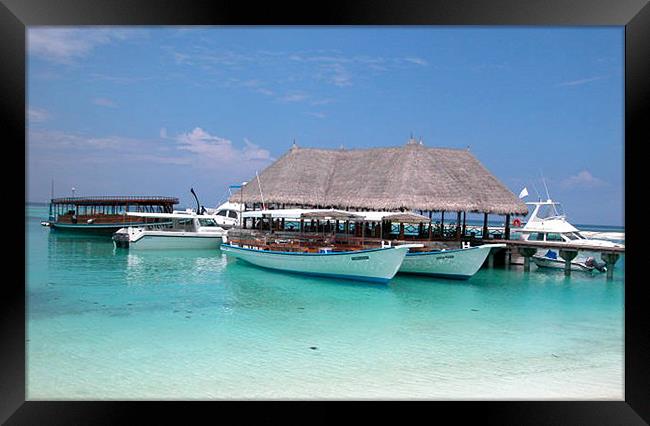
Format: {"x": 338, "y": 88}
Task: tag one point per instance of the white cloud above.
{"x": 105, "y": 102}
{"x": 37, "y": 115}
{"x": 417, "y": 61}
{"x": 316, "y": 114}
{"x": 580, "y": 82}
{"x": 67, "y": 44}
{"x": 583, "y": 179}
{"x": 215, "y": 150}
{"x": 293, "y": 97}
{"x": 254, "y": 152}
{"x": 264, "y": 91}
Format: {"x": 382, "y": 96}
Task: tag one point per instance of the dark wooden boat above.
{"x": 105, "y": 214}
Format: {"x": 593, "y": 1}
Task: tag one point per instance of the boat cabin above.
{"x": 104, "y": 214}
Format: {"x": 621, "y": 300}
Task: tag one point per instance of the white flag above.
{"x": 523, "y": 193}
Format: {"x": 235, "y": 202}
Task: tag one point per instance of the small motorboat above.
{"x": 185, "y": 231}
{"x": 550, "y": 260}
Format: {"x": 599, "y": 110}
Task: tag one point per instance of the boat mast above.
{"x": 259, "y": 184}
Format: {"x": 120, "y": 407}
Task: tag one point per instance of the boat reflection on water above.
{"x": 178, "y": 266}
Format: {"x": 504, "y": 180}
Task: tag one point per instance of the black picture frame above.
{"x": 634, "y": 15}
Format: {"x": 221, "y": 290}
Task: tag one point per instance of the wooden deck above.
{"x": 558, "y": 246}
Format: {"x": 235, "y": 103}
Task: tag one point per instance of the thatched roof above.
{"x": 412, "y": 177}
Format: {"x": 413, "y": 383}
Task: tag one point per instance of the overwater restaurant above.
{"x": 440, "y": 185}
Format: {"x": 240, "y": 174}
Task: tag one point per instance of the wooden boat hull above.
{"x": 455, "y": 264}
{"x": 96, "y": 228}
{"x": 376, "y": 265}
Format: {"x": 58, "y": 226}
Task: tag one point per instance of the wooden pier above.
{"x": 567, "y": 252}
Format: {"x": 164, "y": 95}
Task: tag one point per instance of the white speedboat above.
{"x": 186, "y": 231}
{"x": 548, "y": 223}
{"x": 377, "y": 265}
{"x": 456, "y": 264}
{"x": 227, "y": 214}
{"x": 550, "y": 260}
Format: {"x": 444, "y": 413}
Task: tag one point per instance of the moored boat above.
{"x": 184, "y": 231}
{"x": 105, "y": 214}
{"x": 377, "y": 265}
{"x": 550, "y": 260}
{"x": 460, "y": 263}
{"x": 548, "y": 223}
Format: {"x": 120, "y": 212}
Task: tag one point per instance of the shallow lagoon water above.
{"x": 106, "y": 323}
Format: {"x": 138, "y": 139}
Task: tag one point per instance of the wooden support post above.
{"x": 430, "y": 231}
{"x": 401, "y": 231}
{"x": 527, "y": 252}
{"x": 458, "y": 226}
{"x": 464, "y": 228}
{"x": 442, "y": 225}
{"x": 610, "y": 260}
{"x": 485, "y": 227}
{"x": 568, "y": 256}
{"x": 507, "y": 231}
{"x": 508, "y": 258}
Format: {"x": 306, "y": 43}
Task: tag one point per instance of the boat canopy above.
{"x": 333, "y": 214}
{"x": 316, "y": 214}
{"x": 396, "y": 217}
{"x": 177, "y": 215}
{"x": 115, "y": 200}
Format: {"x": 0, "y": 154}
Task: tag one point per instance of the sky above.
{"x": 157, "y": 110}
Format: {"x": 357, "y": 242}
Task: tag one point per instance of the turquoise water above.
{"x": 105, "y": 323}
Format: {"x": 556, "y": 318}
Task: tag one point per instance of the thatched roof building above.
{"x": 412, "y": 177}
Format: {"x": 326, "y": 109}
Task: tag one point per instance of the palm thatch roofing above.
{"x": 406, "y": 218}
{"x": 410, "y": 177}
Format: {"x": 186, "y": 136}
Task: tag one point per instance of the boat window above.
{"x": 572, "y": 236}
{"x": 553, "y": 237}
{"x": 222, "y": 213}
{"x": 536, "y": 236}
{"x": 207, "y": 222}
{"x": 232, "y": 214}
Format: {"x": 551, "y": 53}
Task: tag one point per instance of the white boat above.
{"x": 548, "y": 223}
{"x": 460, "y": 263}
{"x": 456, "y": 264}
{"x": 186, "y": 231}
{"x": 377, "y": 265}
{"x": 550, "y": 260}
{"x": 227, "y": 214}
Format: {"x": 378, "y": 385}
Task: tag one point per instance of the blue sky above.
{"x": 157, "y": 110}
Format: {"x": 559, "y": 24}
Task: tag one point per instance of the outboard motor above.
{"x": 591, "y": 262}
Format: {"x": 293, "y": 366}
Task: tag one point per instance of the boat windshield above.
{"x": 549, "y": 210}
{"x": 207, "y": 222}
